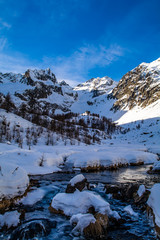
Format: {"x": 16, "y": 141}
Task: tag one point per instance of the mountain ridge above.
{"x": 40, "y": 90}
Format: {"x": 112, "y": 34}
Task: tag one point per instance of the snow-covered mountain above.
{"x": 93, "y": 96}
{"x": 102, "y": 85}
{"x": 37, "y": 89}
{"x": 135, "y": 97}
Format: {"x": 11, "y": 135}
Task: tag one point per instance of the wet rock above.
{"x": 98, "y": 229}
{"x": 35, "y": 228}
{"x": 131, "y": 190}
{"x": 56, "y": 211}
{"x": 93, "y": 230}
{"x": 142, "y": 200}
{"x": 123, "y": 192}
{"x": 102, "y": 219}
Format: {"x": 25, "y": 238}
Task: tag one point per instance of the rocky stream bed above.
{"x": 118, "y": 188}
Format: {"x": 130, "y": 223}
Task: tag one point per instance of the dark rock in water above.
{"x": 123, "y": 192}
{"x": 35, "y": 228}
{"x": 142, "y": 200}
{"x": 131, "y": 190}
{"x": 79, "y": 185}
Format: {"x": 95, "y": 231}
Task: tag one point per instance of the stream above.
{"x": 40, "y": 223}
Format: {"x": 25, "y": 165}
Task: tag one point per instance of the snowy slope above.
{"x": 93, "y": 96}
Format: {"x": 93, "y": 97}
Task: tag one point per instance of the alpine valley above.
{"x": 47, "y": 127}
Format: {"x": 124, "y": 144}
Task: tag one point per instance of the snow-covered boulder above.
{"x": 88, "y": 210}
{"x": 141, "y": 196}
{"x": 154, "y": 205}
{"x": 78, "y": 182}
{"x": 13, "y": 182}
{"x": 81, "y": 202}
{"x": 10, "y": 219}
{"x": 82, "y": 221}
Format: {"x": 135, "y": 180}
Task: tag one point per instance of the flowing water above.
{"x": 40, "y": 222}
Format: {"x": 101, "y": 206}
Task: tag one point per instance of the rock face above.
{"x": 138, "y": 87}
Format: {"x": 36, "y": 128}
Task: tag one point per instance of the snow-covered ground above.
{"x": 140, "y": 144}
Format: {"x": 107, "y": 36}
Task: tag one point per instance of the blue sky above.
{"x": 79, "y": 39}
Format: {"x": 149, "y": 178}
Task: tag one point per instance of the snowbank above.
{"x": 109, "y": 156}
{"x": 154, "y": 202}
{"x": 13, "y": 180}
{"x": 79, "y": 202}
{"x": 10, "y": 219}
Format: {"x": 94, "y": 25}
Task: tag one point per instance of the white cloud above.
{"x": 16, "y": 64}
{"x": 3, "y": 42}
{"x": 73, "y": 69}
{"x": 77, "y": 66}
{"x": 4, "y": 24}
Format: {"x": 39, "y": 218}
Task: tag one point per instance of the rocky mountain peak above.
{"x": 100, "y": 84}
{"x": 138, "y": 87}
{"x": 35, "y": 75}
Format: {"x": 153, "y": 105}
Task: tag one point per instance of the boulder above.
{"x": 78, "y": 182}
{"x": 142, "y": 200}
{"x": 123, "y": 192}
{"x": 98, "y": 229}
{"x": 36, "y": 228}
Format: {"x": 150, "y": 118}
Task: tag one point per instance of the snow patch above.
{"x": 141, "y": 190}
{"x": 33, "y": 197}
{"x": 10, "y": 219}
{"x": 130, "y": 211}
{"x": 82, "y": 220}
{"x": 154, "y": 202}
